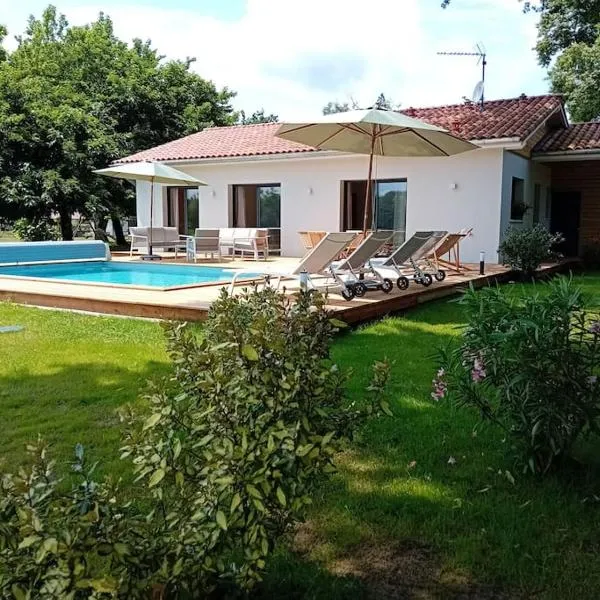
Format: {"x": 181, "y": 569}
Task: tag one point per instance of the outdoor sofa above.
{"x": 166, "y": 238}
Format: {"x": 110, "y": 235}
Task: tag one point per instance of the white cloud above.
{"x": 293, "y": 57}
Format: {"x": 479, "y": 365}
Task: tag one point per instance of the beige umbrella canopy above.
{"x": 375, "y": 132}
{"x": 154, "y": 172}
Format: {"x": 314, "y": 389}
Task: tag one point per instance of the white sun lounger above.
{"x": 349, "y": 273}
{"x": 407, "y": 257}
{"x": 316, "y": 262}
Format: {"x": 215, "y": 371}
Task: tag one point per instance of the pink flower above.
{"x": 440, "y": 387}
{"x": 478, "y": 370}
{"x": 594, "y": 328}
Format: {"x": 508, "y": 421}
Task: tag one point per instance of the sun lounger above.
{"x": 311, "y": 238}
{"x": 406, "y": 258}
{"x": 450, "y": 247}
{"x": 316, "y": 262}
{"x": 349, "y": 273}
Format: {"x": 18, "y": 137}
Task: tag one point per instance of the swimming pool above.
{"x": 134, "y": 274}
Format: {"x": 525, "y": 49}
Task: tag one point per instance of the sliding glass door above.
{"x": 258, "y": 206}
{"x": 390, "y": 205}
{"x": 192, "y": 210}
{"x": 183, "y": 209}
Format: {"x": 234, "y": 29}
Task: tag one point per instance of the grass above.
{"x": 399, "y": 518}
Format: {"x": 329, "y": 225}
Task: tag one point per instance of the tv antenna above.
{"x": 480, "y": 53}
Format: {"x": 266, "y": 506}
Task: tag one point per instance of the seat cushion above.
{"x": 226, "y": 235}
{"x": 170, "y": 234}
{"x": 141, "y": 231}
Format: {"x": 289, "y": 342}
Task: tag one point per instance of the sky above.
{"x": 291, "y": 57}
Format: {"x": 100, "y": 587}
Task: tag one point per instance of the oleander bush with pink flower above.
{"x": 529, "y": 365}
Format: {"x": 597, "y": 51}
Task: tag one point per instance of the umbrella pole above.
{"x": 151, "y": 256}
{"x": 368, "y": 204}
{"x": 151, "y": 217}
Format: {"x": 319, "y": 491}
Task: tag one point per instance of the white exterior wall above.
{"x": 142, "y": 204}
{"x": 443, "y": 193}
{"x": 514, "y": 165}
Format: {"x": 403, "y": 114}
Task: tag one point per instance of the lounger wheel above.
{"x": 387, "y": 286}
{"x": 426, "y": 280}
{"x": 360, "y": 289}
{"x": 440, "y": 275}
{"x": 402, "y": 283}
{"x": 348, "y": 293}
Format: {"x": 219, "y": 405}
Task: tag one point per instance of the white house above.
{"x": 258, "y": 180}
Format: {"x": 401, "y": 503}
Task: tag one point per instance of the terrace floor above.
{"x": 192, "y": 304}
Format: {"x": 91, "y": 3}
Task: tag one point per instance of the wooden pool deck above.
{"x": 192, "y": 304}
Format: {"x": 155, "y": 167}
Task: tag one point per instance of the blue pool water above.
{"x": 122, "y": 273}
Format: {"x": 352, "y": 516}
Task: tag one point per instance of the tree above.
{"x": 383, "y": 103}
{"x": 258, "y": 116}
{"x": 335, "y": 107}
{"x": 576, "y": 74}
{"x": 3, "y": 33}
{"x": 73, "y": 99}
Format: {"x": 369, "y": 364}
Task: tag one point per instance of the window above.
{"x": 517, "y": 199}
{"x": 258, "y": 206}
{"x": 548, "y": 206}
{"x": 537, "y": 199}
{"x": 390, "y": 205}
{"x": 183, "y": 209}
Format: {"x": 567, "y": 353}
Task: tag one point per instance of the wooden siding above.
{"x": 583, "y": 177}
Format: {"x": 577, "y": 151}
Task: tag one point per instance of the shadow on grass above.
{"x": 429, "y": 503}
{"x": 70, "y": 404}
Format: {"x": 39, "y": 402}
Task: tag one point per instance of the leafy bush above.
{"x": 55, "y": 544}
{"x": 34, "y": 231}
{"x": 525, "y": 250}
{"x": 529, "y": 365}
{"x": 252, "y": 421}
{"x": 229, "y": 456}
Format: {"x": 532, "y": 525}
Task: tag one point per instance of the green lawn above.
{"x": 398, "y": 521}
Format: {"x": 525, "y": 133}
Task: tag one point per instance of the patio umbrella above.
{"x": 154, "y": 172}
{"x": 374, "y": 132}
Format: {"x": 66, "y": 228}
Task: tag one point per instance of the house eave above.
{"x": 567, "y": 155}
{"x": 507, "y": 143}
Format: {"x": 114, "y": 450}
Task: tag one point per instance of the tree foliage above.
{"x": 76, "y": 98}
{"x": 381, "y": 103}
{"x": 257, "y": 116}
{"x": 576, "y": 74}
{"x": 335, "y": 107}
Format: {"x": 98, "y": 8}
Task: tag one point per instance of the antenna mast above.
{"x": 481, "y": 55}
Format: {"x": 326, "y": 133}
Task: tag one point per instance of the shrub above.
{"x": 524, "y": 250}
{"x": 253, "y": 418}
{"x": 34, "y": 231}
{"x": 63, "y": 545}
{"x": 529, "y": 365}
{"x": 229, "y": 455}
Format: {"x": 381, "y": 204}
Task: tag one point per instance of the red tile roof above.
{"x": 513, "y": 118}
{"x": 580, "y": 136}
{"x": 221, "y": 142}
